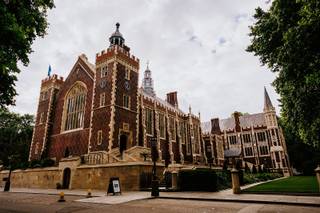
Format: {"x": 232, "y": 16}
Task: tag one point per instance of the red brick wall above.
{"x": 76, "y": 141}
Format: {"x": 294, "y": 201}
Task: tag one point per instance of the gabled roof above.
{"x": 229, "y": 123}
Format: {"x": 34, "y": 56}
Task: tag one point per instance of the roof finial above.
{"x": 148, "y": 64}
{"x": 117, "y": 25}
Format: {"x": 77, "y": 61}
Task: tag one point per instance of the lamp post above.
{"x": 7, "y": 184}
{"x": 154, "y": 157}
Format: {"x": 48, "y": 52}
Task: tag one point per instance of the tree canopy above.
{"x": 20, "y": 23}
{"x": 15, "y": 137}
{"x": 286, "y": 39}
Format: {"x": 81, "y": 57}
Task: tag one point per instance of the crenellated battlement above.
{"x": 53, "y": 77}
{"x": 118, "y": 51}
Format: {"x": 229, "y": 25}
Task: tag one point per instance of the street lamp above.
{"x": 154, "y": 157}
{"x": 7, "y": 184}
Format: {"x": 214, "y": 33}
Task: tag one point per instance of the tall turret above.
{"x": 147, "y": 82}
{"x": 276, "y": 143}
{"x": 49, "y": 87}
{"x": 115, "y": 97}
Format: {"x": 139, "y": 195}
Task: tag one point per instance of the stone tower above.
{"x": 41, "y": 132}
{"x": 114, "y": 120}
{"x": 277, "y": 143}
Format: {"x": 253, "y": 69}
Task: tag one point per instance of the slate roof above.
{"x": 229, "y": 124}
{"x": 160, "y": 101}
{"x": 267, "y": 101}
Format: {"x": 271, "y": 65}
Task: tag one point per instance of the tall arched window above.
{"x": 74, "y": 107}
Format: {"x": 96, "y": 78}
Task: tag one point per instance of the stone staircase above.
{"x": 134, "y": 154}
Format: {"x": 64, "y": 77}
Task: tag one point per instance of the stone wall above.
{"x": 33, "y": 178}
{"x": 82, "y": 177}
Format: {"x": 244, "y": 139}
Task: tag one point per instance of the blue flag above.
{"x": 49, "y": 70}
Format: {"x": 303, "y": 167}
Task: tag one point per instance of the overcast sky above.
{"x": 194, "y": 47}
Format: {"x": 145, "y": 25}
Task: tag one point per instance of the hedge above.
{"x": 198, "y": 180}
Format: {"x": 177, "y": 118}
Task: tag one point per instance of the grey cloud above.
{"x": 214, "y": 79}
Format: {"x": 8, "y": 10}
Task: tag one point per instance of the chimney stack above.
{"x": 172, "y": 99}
{"x": 215, "y": 127}
{"x": 236, "y": 116}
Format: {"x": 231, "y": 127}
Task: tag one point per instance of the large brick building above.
{"x": 99, "y": 113}
{"x": 255, "y": 139}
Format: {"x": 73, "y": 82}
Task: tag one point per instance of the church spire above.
{"x": 267, "y": 102}
{"x": 147, "y": 82}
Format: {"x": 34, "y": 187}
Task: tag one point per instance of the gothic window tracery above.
{"x": 149, "y": 121}
{"x": 162, "y": 124}
{"x": 75, "y": 107}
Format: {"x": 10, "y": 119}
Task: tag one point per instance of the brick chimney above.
{"x": 172, "y": 99}
{"x": 215, "y": 127}
{"x": 236, "y": 116}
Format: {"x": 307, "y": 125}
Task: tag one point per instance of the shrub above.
{"x": 246, "y": 168}
{"x": 47, "y": 162}
{"x": 198, "y": 180}
{"x": 253, "y": 178}
{"x": 254, "y": 169}
{"x": 145, "y": 180}
{"x": 241, "y": 181}
{"x": 35, "y": 163}
{"x": 223, "y": 179}
{"x": 58, "y": 186}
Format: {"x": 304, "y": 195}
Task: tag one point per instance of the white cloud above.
{"x": 195, "y": 47}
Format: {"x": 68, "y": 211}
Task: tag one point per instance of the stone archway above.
{"x": 66, "y": 178}
{"x": 123, "y": 143}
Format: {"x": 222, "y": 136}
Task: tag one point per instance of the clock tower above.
{"x": 114, "y": 119}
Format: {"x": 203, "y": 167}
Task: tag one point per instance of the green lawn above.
{"x": 296, "y": 184}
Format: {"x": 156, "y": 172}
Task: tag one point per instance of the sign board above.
{"x": 114, "y": 186}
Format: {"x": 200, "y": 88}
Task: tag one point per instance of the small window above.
{"x": 183, "y": 132}
{"x": 102, "y": 99}
{"x": 104, "y": 71}
{"x": 126, "y": 101}
{"x": 127, "y": 74}
{"x": 99, "y": 137}
{"x": 41, "y": 120}
{"x": 264, "y": 150}
{"x": 246, "y": 138}
{"x": 248, "y": 151}
{"x": 232, "y": 139}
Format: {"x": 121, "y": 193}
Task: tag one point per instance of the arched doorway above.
{"x": 66, "y": 178}
{"x": 123, "y": 143}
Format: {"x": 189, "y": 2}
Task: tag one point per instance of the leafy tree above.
{"x": 15, "y": 137}
{"x": 286, "y": 39}
{"x": 20, "y": 23}
{"x": 303, "y": 157}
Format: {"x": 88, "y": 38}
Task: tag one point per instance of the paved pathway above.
{"x": 117, "y": 199}
{"x": 223, "y": 196}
